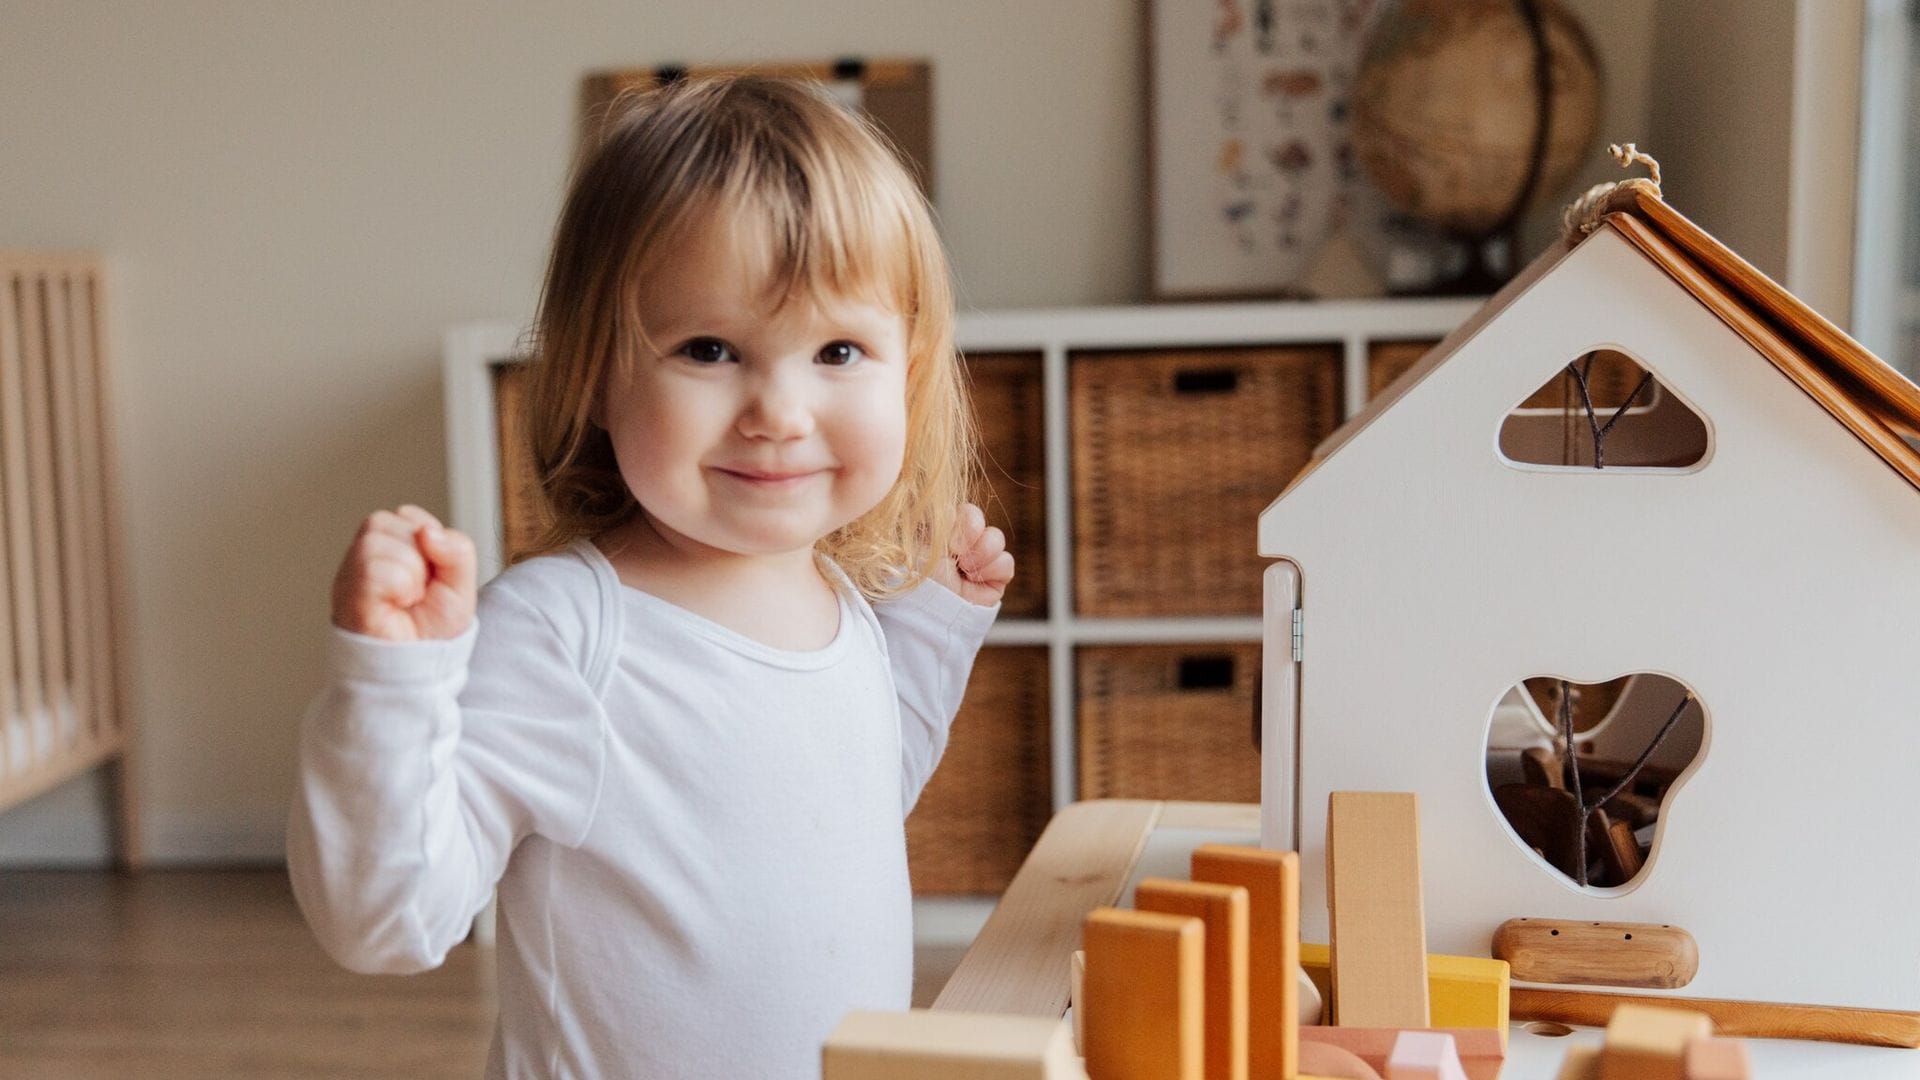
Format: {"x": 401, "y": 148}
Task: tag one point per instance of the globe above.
{"x": 1445, "y": 109}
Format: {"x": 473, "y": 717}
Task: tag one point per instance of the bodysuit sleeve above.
{"x": 422, "y": 764}
{"x": 932, "y": 637}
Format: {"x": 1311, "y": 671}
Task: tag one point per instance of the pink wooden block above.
{"x": 1424, "y": 1055}
{"x": 1717, "y": 1059}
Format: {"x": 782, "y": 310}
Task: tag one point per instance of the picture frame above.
{"x": 1247, "y": 141}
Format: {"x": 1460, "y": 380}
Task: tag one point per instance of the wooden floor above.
{"x": 214, "y": 974}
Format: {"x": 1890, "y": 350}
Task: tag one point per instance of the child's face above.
{"x": 756, "y": 431}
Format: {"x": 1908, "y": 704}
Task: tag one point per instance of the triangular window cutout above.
{"x": 1604, "y": 411}
{"x": 1595, "y": 815}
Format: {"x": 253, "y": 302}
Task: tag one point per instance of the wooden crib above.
{"x": 62, "y": 692}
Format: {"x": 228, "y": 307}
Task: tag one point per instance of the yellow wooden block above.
{"x": 1272, "y": 881}
{"x": 1223, "y": 908}
{"x": 1462, "y": 991}
{"x": 1645, "y": 1042}
{"x": 1143, "y": 998}
{"x": 931, "y": 1045}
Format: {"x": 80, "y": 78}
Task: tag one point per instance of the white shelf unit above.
{"x": 1054, "y": 335}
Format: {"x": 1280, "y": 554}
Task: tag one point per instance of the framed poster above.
{"x": 1247, "y": 140}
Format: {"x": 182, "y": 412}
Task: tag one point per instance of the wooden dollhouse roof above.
{"x": 1877, "y": 403}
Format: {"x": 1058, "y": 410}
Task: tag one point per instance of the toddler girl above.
{"x": 682, "y": 742}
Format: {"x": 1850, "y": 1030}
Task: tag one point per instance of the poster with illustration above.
{"x": 1248, "y": 140}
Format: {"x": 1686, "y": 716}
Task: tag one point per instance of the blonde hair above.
{"x": 845, "y": 219}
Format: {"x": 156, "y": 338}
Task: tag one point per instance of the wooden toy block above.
{"x": 1462, "y": 991}
{"x": 1144, "y": 1009}
{"x": 1481, "y": 1051}
{"x": 1274, "y": 1000}
{"x": 1324, "y": 1061}
{"x": 1374, "y": 902}
{"x": 1076, "y": 993}
{"x": 1649, "y": 1043}
{"x": 1223, "y": 911}
{"x": 1424, "y": 1055}
{"x": 1581, "y": 1063}
{"x": 1717, "y": 1059}
{"x": 1647, "y": 955}
{"x": 931, "y": 1045}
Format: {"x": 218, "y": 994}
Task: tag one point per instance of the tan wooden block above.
{"x": 1717, "y": 1059}
{"x": 1272, "y": 881}
{"x": 1581, "y": 1063}
{"x": 1374, "y": 903}
{"x": 1144, "y": 1007}
{"x": 930, "y": 1045}
{"x": 1645, "y": 1042}
{"x": 1223, "y": 910}
{"x": 1481, "y": 1050}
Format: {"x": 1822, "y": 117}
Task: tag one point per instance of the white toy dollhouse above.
{"x": 1764, "y": 554}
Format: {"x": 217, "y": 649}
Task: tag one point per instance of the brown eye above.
{"x": 841, "y": 354}
{"x": 707, "y": 351}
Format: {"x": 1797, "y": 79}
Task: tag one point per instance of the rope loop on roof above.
{"x": 1586, "y": 212}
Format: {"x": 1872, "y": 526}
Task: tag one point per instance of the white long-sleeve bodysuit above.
{"x": 698, "y": 839}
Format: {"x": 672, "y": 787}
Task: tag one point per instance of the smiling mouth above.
{"x": 768, "y": 479}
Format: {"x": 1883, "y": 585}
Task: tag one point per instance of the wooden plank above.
{"x": 19, "y": 511}
{"x": 1272, "y": 881}
{"x": 1737, "y": 1019}
{"x": 1222, "y": 910}
{"x": 1019, "y": 961}
{"x": 50, "y": 613}
{"x": 1374, "y": 903}
{"x": 69, "y": 523}
{"x": 871, "y": 1045}
{"x": 1144, "y": 995}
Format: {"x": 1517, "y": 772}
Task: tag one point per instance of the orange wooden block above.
{"x": 1581, "y": 1063}
{"x": 1481, "y": 1052}
{"x": 1272, "y": 881}
{"x": 1645, "y": 1042}
{"x": 1223, "y": 910}
{"x": 1143, "y": 995}
{"x": 1717, "y": 1059}
{"x": 1373, "y": 902}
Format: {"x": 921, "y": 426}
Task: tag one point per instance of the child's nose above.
{"x": 776, "y": 410}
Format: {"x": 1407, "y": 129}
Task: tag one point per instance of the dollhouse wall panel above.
{"x": 1775, "y": 580}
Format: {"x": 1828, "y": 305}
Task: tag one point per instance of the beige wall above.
{"x": 299, "y": 196}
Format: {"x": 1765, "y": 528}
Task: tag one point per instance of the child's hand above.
{"x": 405, "y": 578}
{"x": 979, "y": 566}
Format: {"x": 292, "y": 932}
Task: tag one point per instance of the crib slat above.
{"x": 84, "y": 311}
{"x": 19, "y": 540}
{"x": 75, "y": 728}
{"x": 51, "y": 617}
{"x": 13, "y": 711}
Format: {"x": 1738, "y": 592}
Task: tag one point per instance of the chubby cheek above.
{"x": 872, "y": 449}
{"x": 658, "y": 458}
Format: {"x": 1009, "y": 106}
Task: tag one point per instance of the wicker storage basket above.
{"x": 1175, "y": 453}
{"x": 992, "y": 794}
{"x": 522, "y": 512}
{"x": 1006, "y": 399}
{"x": 1387, "y": 360}
{"x": 1168, "y": 722}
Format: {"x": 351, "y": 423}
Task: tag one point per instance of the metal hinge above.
{"x": 1299, "y": 634}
